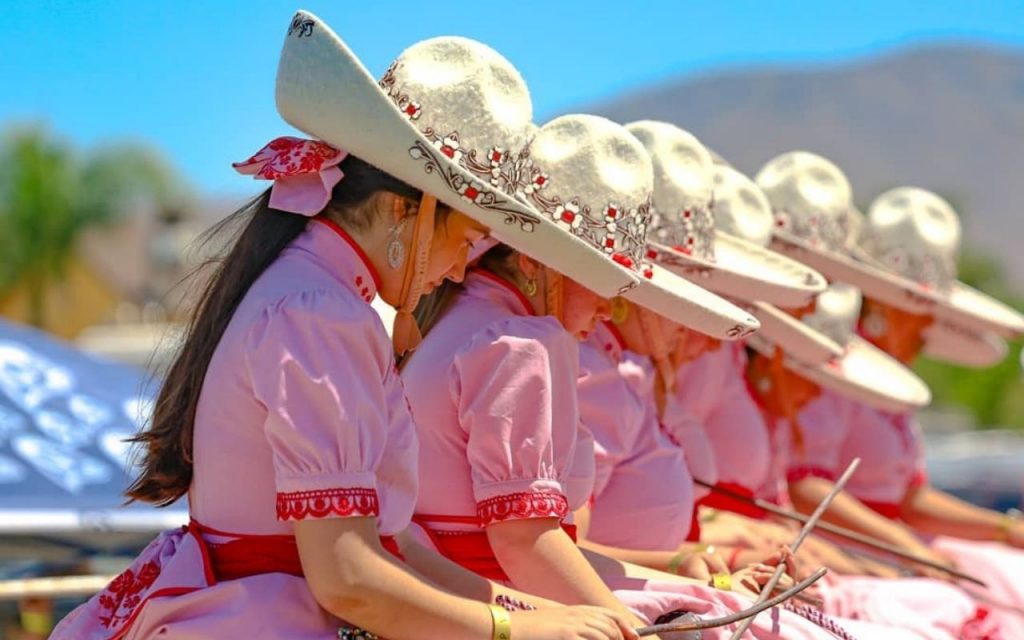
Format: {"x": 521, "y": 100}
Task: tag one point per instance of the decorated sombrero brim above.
{"x": 965, "y": 305}
{"x": 421, "y": 135}
{"x": 601, "y": 180}
{"x": 864, "y": 373}
{"x": 875, "y": 281}
{"x": 746, "y": 270}
{"x": 682, "y": 301}
{"x": 795, "y": 337}
{"x": 960, "y": 345}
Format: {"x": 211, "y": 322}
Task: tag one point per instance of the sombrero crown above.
{"x": 450, "y": 117}
{"x": 598, "y": 185}
{"x": 684, "y": 237}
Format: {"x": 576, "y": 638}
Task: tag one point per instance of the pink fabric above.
{"x": 825, "y": 422}
{"x": 892, "y": 454}
{"x": 304, "y": 173}
{"x": 303, "y": 396}
{"x": 642, "y": 476}
{"x": 932, "y": 609}
{"x": 712, "y": 396}
{"x": 493, "y": 392}
{"x": 891, "y": 449}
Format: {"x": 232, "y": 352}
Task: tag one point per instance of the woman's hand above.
{"x": 702, "y": 565}
{"x": 572, "y": 623}
{"x": 751, "y": 579}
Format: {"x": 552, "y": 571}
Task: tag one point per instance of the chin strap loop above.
{"x": 405, "y": 335}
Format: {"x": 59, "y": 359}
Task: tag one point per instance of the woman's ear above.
{"x": 395, "y": 207}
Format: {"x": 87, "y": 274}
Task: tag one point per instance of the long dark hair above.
{"x": 254, "y": 236}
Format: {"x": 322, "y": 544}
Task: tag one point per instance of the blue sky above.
{"x": 195, "y": 78}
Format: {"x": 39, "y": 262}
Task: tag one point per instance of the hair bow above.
{"x": 304, "y": 173}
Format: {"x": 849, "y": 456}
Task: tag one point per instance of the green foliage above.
{"x": 994, "y": 396}
{"x": 50, "y": 194}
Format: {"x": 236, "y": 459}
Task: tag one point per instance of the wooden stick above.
{"x": 804, "y": 532}
{"x": 55, "y": 587}
{"x": 670, "y": 627}
{"x": 844, "y": 532}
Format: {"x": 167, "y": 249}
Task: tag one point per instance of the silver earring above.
{"x": 395, "y": 248}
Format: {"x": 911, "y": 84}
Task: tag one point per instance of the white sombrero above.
{"x": 449, "y": 117}
{"x": 815, "y": 223}
{"x": 962, "y": 345}
{"x": 863, "y": 372}
{"x": 914, "y": 236}
{"x": 742, "y": 210}
{"x": 684, "y": 238}
{"x": 597, "y": 186}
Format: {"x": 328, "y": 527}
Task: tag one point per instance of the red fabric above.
{"x": 717, "y": 500}
{"x": 796, "y": 474}
{"x": 251, "y": 555}
{"x": 890, "y": 510}
{"x": 469, "y": 549}
{"x": 694, "y": 535}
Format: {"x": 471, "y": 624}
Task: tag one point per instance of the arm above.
{"x": 355, "y": 579}
{"x": 930, "y": 510}
{"x": 457, "y": 579}
{"x": 541, "y": 558}
{"x": 849, "y": 512}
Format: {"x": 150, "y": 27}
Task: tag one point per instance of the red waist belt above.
{"x": 248, "y": 555}
{"x": 890, "y": 510}
{"x": 718, "y": 500}
{"x": 470, "y": 549}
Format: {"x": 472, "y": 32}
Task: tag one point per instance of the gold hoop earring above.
{"x": 530, "y": 288}
{"x": 620, "y": 310}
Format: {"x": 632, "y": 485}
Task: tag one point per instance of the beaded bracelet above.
{"x": 355, "y": 633}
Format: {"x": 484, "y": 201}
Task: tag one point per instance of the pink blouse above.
{"x": 302, "y": 413}
{"x": 836, "y": 430}
{"x": 891, "y": 449}
{"x": 493, "y": 391}
{"x": 643, "y": 493}
{"x": 711, "y": 392}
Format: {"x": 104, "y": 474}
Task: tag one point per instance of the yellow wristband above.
{"x": 1010, "y": 518}
{"x": 722, "y": 581}
{"x": 502, "y": 623}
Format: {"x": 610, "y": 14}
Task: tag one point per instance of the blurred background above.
{"x": 119, "y": 122}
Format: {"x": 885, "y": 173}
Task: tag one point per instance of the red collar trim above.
{"x": 523, "y": 300}
{"x": 612, "y": 329}
{"x": 333, "y": 226}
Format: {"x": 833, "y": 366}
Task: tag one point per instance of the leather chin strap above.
{"x": 554, "y": 294}
{"x": 405, "y": 335}
{"x": 664, "y": 370}
{"x": 785, "y": 400}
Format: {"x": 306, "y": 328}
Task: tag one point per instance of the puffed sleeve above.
{"x": 610, "y": 410}
{"x": 317, "y": 362}
{"x": 824, "y": 424}
{"x": 514, "y": 386}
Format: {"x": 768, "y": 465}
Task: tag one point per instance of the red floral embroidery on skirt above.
{"x": 325, "y": 503}
{"x": 123, "y": 593}
{"x": 519, "y": 506}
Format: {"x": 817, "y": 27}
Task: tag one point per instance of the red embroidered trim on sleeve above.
{"x": 796, "y": 474}
{"x": 327, "y": 503}
{"x": 521, "y": 506}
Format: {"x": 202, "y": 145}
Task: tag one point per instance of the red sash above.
{"x": 723, "y": 502}
{"x": 470, "y": 549}
{"x": 247, "y": 555}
